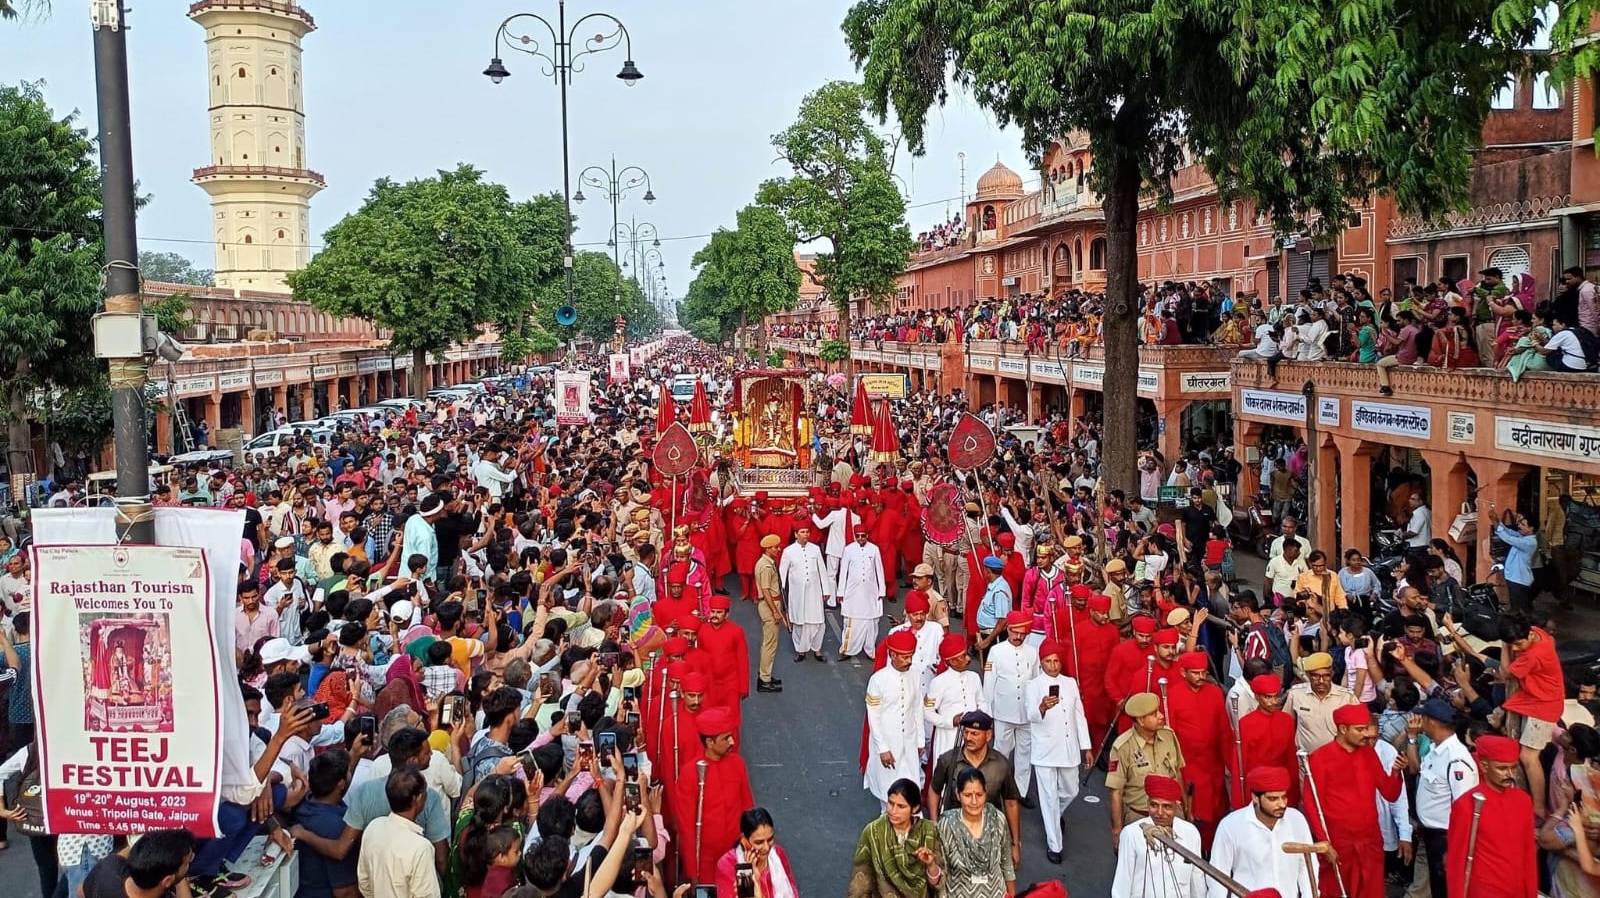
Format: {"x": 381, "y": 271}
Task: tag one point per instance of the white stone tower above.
{"x": 257, "y": 178}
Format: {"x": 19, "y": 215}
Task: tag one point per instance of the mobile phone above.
{"x": 320, "y": 711}
{"x": 607, "y": 744}
{"x": 447, "y": 712}
{"x": 367, "y": 725}
{"x": 633, "y": 721}
{"x": 705, "y": 892}
{"x": 630, "y": 765}
{"x": 630, "y": 796}
{"x": 574, "y": 720}
{"x": 643, "y": 859}
{"x": 585, "y": 752}
{"x": 744, "y": 880}
{"x": 630, "y": 693}
{"x": 608, "y": 659}
{"x": 547, "y": 683}
{"x": 1055, "y": 690}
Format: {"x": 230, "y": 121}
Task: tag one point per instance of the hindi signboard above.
{"x": 1462, "y": 428}
{"x": 1205, "y": 381}
{"x": 886, "y": 386}
{"x": 1414, "y": 421}
{"x": 1289, "y": 407}
{"x": 1575, "y": 442}
{"x": 572, "y": 397}
{"x": 129, "y": 737}
{"x": 1328, "y": 410}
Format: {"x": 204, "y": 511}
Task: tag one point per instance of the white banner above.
{"x": 130, "y": 735}
{"x": 1461, "y": 427}
{"x": 1289, "y": 407}
{"x": 620, "y": 367}
{"x": 1089, "y": 375}
{"x": 572, "y": 397}
{"x": 1576, "y": 442}
{"x": 1205, "y": 381}
{"x": 1415, "y": 421}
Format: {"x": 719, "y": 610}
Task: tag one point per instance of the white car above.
{"x": 274, "y": 443}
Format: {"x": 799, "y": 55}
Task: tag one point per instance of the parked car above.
{"x": 273, "y": 442}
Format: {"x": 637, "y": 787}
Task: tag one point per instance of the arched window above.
{"x": 1097, "y": 254}
{"x": 248, "y": 239}
{"x": 242, "y": 72}
{"x": 988, "y": 218}
{"x": 1513, "y": 261}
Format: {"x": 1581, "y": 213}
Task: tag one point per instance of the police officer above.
{"x": 1147, "y": 749}
{"x": 1448, "y": 773}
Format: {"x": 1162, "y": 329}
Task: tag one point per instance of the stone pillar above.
{"x": 247, "y": 411}
{"x": 1079, "y": 403}
{"x": 1169, "y": 413}
{"x": 1447, "y": 490}
{"x": 1497, "y": 491}
{"x": 164, "y": 442}
{"x": 1324, "y": 523}
{"x": 308, "y": 400}
{"x": 212, "y": 411}
{"x": 280, "y": 398}
{"x": 352, "y": 391}
{"x": 372, "y": 387}
{"x": 1355, "y": 493}
{"x": 1246, "y": 436}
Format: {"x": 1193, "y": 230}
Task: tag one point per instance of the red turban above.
{"x": 917, "y": 600}
{"x": 714, "y": 722}
{"x": 1500, "y": 749}
{"x": 1100, "y": 603}
{"x": 1267, "y": 779}
{"x": 1266, "y": 684}
{"x": 1194, "y": 661}
{"x": 678, "y": 574}
{"x": 1081, "y": 591}
{"x": 1144, "y": 625}
{"x": 1006, "y": 540}
{"x": 696, "y": 682}
{"x": 1163, "y": 788}
{"x": 1049, "y": 647}
{"x": 677, "y": 669}
{"x": 902, "y": 642}
{"x": 1265, "y": 893}
{"x": 721, "y": 603}
{"x": 1169, "y": 636}
{"x": 1019, "y": 619}
{"x": 1351, "y": 715}
{"x": 688, "y": 624}
{"x": 952, "y": 645}
{"x": 675, "y": 645}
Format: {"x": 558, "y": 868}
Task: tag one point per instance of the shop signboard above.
{"x": 1462, "y": 428}
{"x": 1205, "y": 382}
{"x": 1149, "y": 382}
{"x": 1013, "y": 366}
{"x": 1328, "y": 410}
{"x": 194, "y": 386}
{"x": 886, "y": 385}
{"x": 1049, "y": 371}
{"x": 324, "y": 372}
{"x": 1411, "y": 421}
{"x": 1093, "y": 376}
{"x": 1572, "y": 442}
{"x": 1290, "y": 407}
{"x": 269, "y": 378}
{"x": 347, "y": 368}
{"x": 234, "y": 380}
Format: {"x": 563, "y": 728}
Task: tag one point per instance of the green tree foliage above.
{"x": 16, "y": 9}
{"x": 50, "y": 255}
{"x": 431, "y": 260}
{"x": 171, "y": 268}
{"x": 540, "y": 225}
{"x": 842, "y": 190}
{"x": 743, "y": 275}
{"x": 600, "y": 293}
{"x": 1302, "y": 106}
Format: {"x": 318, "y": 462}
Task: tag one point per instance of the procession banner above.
{"x": 620, "y": 367}
{"x": 890, "y": 386}
{"x": 129, "y": 737}
{"x": 572, "y": 397}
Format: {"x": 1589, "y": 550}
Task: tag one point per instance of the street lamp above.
{"x": 560, "y": 62}
{"x": 612, "y": 184}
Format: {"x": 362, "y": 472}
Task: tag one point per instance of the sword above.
{"x": 699, "y": 814}
{"x": 1472, "y": 843}
{"x": 1311, "y": 786}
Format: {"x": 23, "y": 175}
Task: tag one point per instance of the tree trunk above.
{"x": 19, "y": 454}
{"x": 1120, "y": 448}
{"x": 419, "y": 374}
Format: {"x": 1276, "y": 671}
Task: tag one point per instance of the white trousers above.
{"x": 1015, "y": 741}
{"x": 1058, "y": 786}
{"x": 832, "y": 562}
{"x": 860, "y": 636}
{"x": 808, "y": 637}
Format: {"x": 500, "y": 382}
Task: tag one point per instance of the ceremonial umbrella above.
{"x": 667, "y": 411}
{"x": 861, "y": 411}
{"x": 700, "y": 410}
{"x": 885, "y": 439}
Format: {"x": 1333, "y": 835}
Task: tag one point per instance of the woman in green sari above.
{"x": 496, "y": 800}
{"x": 899, "y": 855}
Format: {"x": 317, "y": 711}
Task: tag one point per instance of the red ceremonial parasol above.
{"x": 861, "y": 411}
{"x": 700, "y": 410}
{"x": 666, "y": 412}
{"x": 885, "y": 439}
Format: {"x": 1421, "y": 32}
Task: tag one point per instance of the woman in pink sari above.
{"x": 758, "y": 847}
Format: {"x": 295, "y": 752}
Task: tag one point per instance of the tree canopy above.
{"x": 842, "y": 190}
{"x": 435, "y": 259}
{"x": 1302, "y": 106}
{"x": 743, "y": 275}
{"x": 172, "y": 268}
{"x": 600, "y": 293}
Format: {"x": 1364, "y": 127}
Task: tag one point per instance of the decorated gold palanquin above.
{"x": 772, "y": 430}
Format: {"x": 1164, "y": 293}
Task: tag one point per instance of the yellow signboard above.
{"x": 892, "y": 386}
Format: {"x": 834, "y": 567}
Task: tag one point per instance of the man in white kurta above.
{"x": 1061, "y": 741}
{"x": 834, "y": 530}
{"x": 928, "y": 633}
{"x": 1158, "y": 872}
{"x": 894, "y": 719}
{"x": 1011, "y": 664}
{"x": 1249, "y": 842}
{"x": 953, "y": 692}
{"x": 861, "y": 591}
{"x": 805, "y": 580}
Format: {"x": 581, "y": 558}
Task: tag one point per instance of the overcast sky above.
{"x": 394, "y": 88}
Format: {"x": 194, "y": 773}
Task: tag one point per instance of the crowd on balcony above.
{"x": 943, "y": 236}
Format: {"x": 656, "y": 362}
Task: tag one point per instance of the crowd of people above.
{"x": 485, "y": 655}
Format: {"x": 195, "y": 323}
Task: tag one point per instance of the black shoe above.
{"x": 775, "y": 681}
{"x": 763, "y": 686}
{"x": 800, "y": 657}
{"x": 1053, "y": 857}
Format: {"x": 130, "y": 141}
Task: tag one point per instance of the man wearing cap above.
{"x": 1344, "y": 775}
{"x": 1006, "y": 673}
{"x": 1314, "y": 703}
{"x": 1014, "y": 569}
{"x": 804, "y": 574}
{"x": 976, "y": 750}
{"x": 1200, "y": 721}
{"x": 955, "y": 690}
{"x": 1132, "y": 662}
{"x": 1044, "y": 593}
{"x": 929, "y": 636}
{"x": 861, "y": 591}
{"x": 729, "y": 651}
{"x": 1444, "y": 776}
{"x": 1144, "y": 871}
{"x": 895, "y": 734}
{"x": 1503, "y": 853}
{"x": 1266, "y": 734}
{"x": 769, "y": 605}
{"x": 922, "y": 577}
{"x": 1073, "y": 563}
{"x": 419, "y": 536}
{"x": 1060, "y": 736}
{"x": 725, "y": 797}
{"x": 1147, "y": 749}
{"x": 994, "y": 607}
{"x": 1116, "y": 589}
{"x": 1093, "y": 640}
{"x": 674, "y": 604}
{"x": 1249, "y": 843}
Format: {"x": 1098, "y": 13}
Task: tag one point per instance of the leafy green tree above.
{"x": 541, "y": 228}
{"x": 16, "y": 9}
{"x": 50, "y": 254}
{"x": 171, "y": 268}
{"x": 599, "y": 292}
{"x": 843, "y": 191}
{"x": 750, "y": 271}
{"x": 1301, "y": 106}
{"x": 431, "y": 260}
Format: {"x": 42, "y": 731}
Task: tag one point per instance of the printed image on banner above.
{"x": 572, "y": 397}
{"x": 128, "y": 738}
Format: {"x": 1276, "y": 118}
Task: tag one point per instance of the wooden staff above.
{"x": 1322, "y": 817}
{"x": 1238, "y": 747}
{"x": 1472, "y": 842}
{"x": 699, "y": 815}
{"x": 1160, "y": 835}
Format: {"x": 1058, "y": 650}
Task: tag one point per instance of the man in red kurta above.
{"x": 1162, "y": 665}
{"x": 746, "y": 527}
{"x": 910, "y": 524}
{"x": 1200, "y": 720}
{"x": 885, "y": 533}
{"x": 1129, "y": 661}
{"x": 681, "y": 742}
{"x": 725, "y": 797}
{"x": 1096, "y": 638}
{"x": 676, "y": 602}
{"x": 689, "y": 628}
{"x": 1266, "y": 737}
{"x": 1504, "y": 856}
{"x": 655, "y": 708}
{"x": 729, "y": 652}
{"x": 1344, "y": 775}
{"x": 1016, "y": 568}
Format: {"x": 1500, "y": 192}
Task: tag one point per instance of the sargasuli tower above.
{"x": 257, "y": 178}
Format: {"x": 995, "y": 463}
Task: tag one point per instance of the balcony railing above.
{"x": 1188, "y": 357}
{"x": 1468, "y": 386}
{"x": 260, "y": 171}
{"x": 287, "y": 9}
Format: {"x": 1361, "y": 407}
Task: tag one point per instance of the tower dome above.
{"x": 1000, "y": 183}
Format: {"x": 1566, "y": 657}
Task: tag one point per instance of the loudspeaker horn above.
{"x": 566, "y": 316}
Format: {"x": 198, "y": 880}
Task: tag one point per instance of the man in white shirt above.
{"x": 1155, "y": 871}
{"x": 806, "y": 584}
{"x": 489, "y": 475}
{"x": 1248, "y": 846}
{"x": 929, "y": 636}
{"x": 16, "y": 585}
{"x": 396, "y": 859}
{"x": 1010, "y": 666}
{"x": 953, "y": 692}
{"x": 834, "y": 527}
{"x": 1290, "y": 533}
{"x": 895, "y": 734}
{"x": 1061, "y": 741}
{"x": 1564, "y": 351}
{"x": 1419, "y": 527}
{"x": 1447, "y": 773}
{"x": 861, "y": 592}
